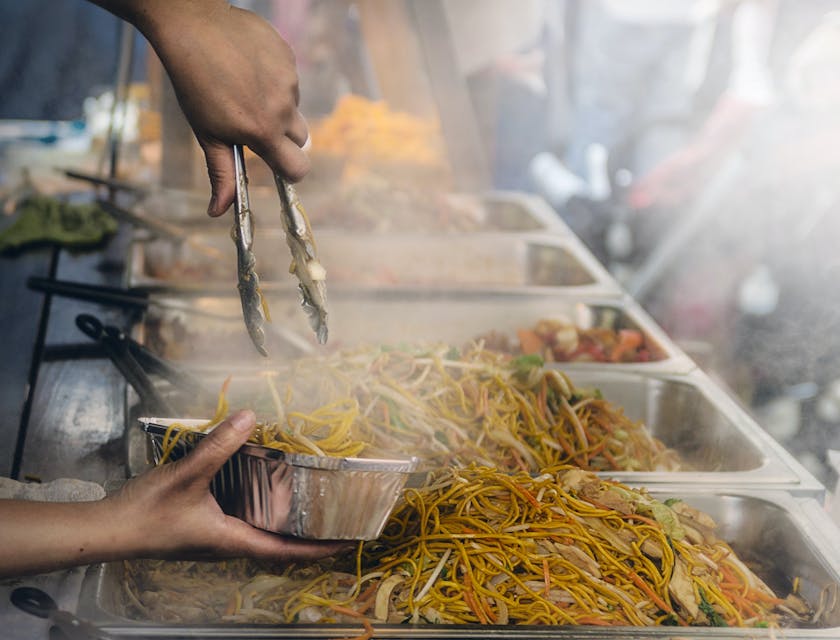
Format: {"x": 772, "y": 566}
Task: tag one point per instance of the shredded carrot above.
{"x": 546, "y": 577}
{"x": 529, "y": 342}
{"x": 346, "y": 611}
{"x": 528, "y": 496}
{"x": 594, "y": 621}
{"x": 655, "y": 597}
{"x": 611, "y": 459}
{"x": 367, "y": 635}
{"x": 636, "y": 516}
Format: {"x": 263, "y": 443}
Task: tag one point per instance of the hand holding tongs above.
{"x": 305, "y": 266}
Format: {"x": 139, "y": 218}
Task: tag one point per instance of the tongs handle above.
{"x": 125, "y": 298}
{"x": 111, "y": 183}
{"x": 116, "y": 346}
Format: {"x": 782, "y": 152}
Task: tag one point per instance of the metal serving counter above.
{"x": 77, "y": 417}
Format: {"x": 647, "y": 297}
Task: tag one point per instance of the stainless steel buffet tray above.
{"x": 497, "y": 210}
{"x": 499, "y": 262}
{"x": 390, "y": 317}
{"x": 787, "y": 537}
{"x": 720, "y": 444}
{"x": 723, "y": 445}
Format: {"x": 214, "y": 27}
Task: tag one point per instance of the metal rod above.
{"x": 116, "y": 120}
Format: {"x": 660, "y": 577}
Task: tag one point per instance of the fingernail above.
{"x": 243, "y": 420}
{"x": 211, "y": 208}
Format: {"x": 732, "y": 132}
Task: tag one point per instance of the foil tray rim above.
{"x": 159, "y": 426}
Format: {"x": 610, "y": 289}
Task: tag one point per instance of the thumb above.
{"x": 219, "y": 159}
{"x": 214, "y": 450}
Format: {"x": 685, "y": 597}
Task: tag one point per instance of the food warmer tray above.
{"x": 722, "y": 444}
{"x": 499, "y": 262}
{"x": 711, "y": 432}
{"x": 791, "y": 537}
{"x": 512, "y": 211}
{"x": 389, "y": 317}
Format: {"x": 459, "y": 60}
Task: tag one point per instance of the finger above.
{"x": 298, "y": 129}
{"x": 261, "y": 544}
{"x": 214, "y": 450}
{"x": 219, "y": 158}
{"x": 285, "y": 158}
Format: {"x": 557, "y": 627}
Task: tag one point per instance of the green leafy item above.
{"x": 46, "y": 220}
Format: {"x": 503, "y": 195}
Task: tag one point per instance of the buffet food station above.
{"x": 495, "y": 277}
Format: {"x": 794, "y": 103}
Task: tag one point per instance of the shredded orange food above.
{"x": 471, "y": 547}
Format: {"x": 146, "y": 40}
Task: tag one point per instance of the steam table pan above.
{"x": 510, "y": 211}
{"x": 718, "y": 442}
{"x": 788, "y": 537}
{"x": 317, "y": 497}
{"x": 388, "y": 318}
{"x": 361, "y": 261}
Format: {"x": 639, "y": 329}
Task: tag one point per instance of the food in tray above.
{"x": 480, "y": 546}
{"x": 428, "y": 261}
{"x": 367, "y": 132}
{"x": 558, "y": 340}
{"x": 370, "y": 202}
{"x": 42, "y": 219}
{"x": 449, "y": 408}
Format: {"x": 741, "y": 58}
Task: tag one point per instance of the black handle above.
{"x": 117, "y": 346}
{"x": 33, "y": 601}
{"x": 114, "y": 296}
{"x": 111, "y": 183}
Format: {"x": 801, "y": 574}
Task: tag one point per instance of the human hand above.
{"x": 672, "y": 182}
{"x": 681, "y": 175}
{"x": 235, "y": 79}
{"x": 172, "y": 513}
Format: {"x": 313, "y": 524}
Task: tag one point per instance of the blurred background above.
{"x": 693, "y": 145}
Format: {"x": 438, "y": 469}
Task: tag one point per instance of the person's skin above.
{"x": 168, "y": 512}
{"x": 235, "y": 79}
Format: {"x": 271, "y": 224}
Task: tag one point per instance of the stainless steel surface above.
{"x": 723, "y": 445}
{"x": 498, "y": 262}
{"x": 771, "y": 528}
{"x": 77, "y": 413}
{"x": 307, "y": 496}
{"x": 497, "y": 210}
{"x": 393, "y": 317}
{"x": 311, "y": 276}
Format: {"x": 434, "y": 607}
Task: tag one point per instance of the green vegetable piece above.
{"x": 523, "y": 365}
{"x": 46, "y": 220}
{"x": 670, "y": 502}
{"x": 664, "y": 516}
{"x": 715, "y": 619}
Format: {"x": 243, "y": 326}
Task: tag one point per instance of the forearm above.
{"x": 37, "y": 537}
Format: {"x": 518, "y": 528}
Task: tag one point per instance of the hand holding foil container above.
{"x": 307, "y": 496}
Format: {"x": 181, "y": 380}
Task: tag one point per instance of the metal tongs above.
{"x": 305, "y": 266}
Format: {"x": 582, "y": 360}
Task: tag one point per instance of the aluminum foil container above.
{"x": 316, "y": 497}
